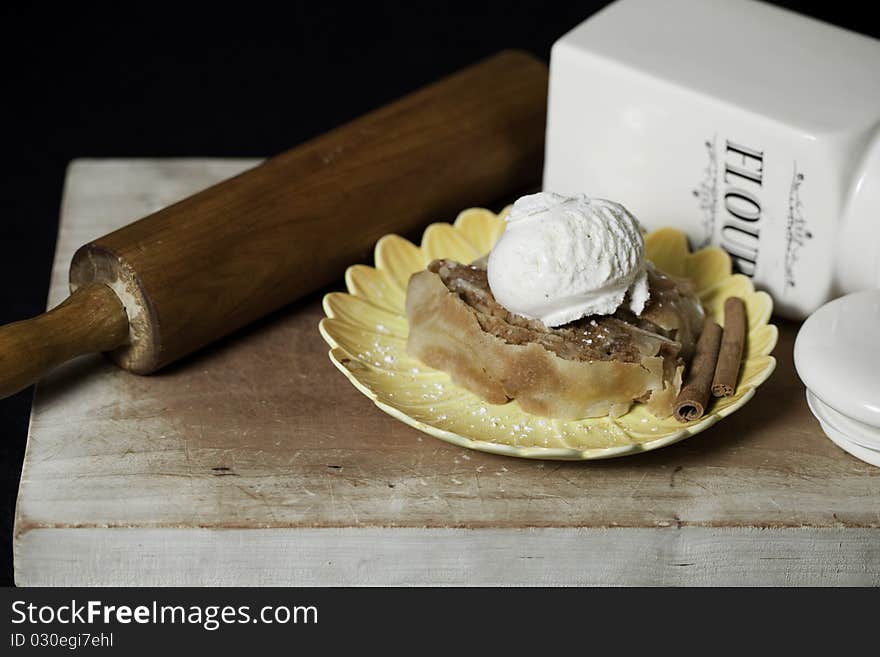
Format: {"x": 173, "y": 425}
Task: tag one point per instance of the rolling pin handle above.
{"x": 91, "y": 320}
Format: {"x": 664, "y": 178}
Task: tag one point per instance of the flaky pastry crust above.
{"x": 456, "y": 326}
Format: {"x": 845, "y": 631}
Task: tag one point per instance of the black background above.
{"x": 230, "y": 80}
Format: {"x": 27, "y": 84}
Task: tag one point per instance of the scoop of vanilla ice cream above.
{"x": 562, "y": 258}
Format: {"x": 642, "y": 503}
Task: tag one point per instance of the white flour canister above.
{"x": 747, "y": 126}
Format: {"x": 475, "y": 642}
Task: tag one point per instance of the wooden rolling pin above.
{"x": 178, "y": 279}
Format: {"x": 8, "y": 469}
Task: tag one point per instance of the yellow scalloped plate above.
{"x": 367, "y": 330}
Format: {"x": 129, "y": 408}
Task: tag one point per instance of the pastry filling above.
{"x": 619, "y": 337}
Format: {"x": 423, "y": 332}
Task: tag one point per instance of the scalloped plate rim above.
{"x": 548, "y": 453}
{"x": 538, "y": 452}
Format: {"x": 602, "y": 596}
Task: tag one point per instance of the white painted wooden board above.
{"x": 255, "y": 462}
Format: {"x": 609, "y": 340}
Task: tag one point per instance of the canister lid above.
{"x": 837, "y": 356}
{"x": 862, "y": 443}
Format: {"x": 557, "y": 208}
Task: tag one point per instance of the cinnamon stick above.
{"x": 694, "y": 396}
{"x": 732, "y": 344}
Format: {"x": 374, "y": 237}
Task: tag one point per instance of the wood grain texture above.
{"x": 203, "y": 267}
{"x": 405, "y": 556}
{"x": 240, "y": 454}
{"x": 91, "y": 320}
